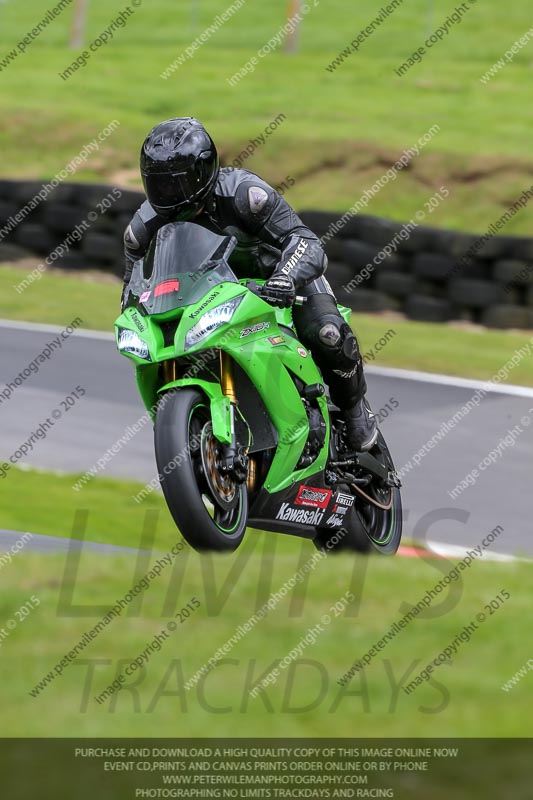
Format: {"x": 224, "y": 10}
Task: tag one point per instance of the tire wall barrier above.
{"x": 431, "y": 275}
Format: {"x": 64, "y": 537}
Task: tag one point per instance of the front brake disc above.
{"x": 223, "y": 490}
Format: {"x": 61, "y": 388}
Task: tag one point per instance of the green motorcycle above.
{"x": 245, "y": 434}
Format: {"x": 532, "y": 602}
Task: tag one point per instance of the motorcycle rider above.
{"x": 183, "y": 181}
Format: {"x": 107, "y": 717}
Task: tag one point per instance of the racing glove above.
{"x": 279, "y": 291}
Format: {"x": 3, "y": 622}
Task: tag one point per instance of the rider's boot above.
{"x": 361, "y": 426}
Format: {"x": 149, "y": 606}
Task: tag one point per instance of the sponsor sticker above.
{"x": 339, "y": 509}
{"x": 261, "y": 326}
{"x": 274, "y": 340}
{"x": 302, "y": 351}
{"x": 300, "y": 515}
{"x": 138, "y": 322}
{"x": 310, "y": 496}
{"x": 144, "y": 297}
{"x": 204, "y": 305}
{"x": 334, "y": 521}
{"x": 344, "y": 499}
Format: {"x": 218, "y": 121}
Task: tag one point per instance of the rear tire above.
{"x": 184, "y": 448}
{"x": 383, "y": 528}
{"x": 367, "y": 526}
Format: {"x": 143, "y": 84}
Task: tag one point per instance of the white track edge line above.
{"x": 450, "y": 380}
{"x": 459, "y": 551}
{"x": 39, "y": 327}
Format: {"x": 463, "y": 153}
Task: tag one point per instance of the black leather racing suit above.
{"x": 273, "y": 239}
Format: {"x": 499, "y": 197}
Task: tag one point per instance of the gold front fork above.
{"x": 170, "y": 371}
{"x": 233, "y": 450}
{"x": 227, "y": 381}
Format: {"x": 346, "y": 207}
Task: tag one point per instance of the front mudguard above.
{"x": 219, "y": 404}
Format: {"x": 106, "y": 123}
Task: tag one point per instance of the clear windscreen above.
{"x": 183, "y": 261}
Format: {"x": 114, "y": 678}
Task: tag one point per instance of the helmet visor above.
{"x": 170, "y": 190}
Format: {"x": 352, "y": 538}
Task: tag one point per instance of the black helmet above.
{"x": 179, "y": 167}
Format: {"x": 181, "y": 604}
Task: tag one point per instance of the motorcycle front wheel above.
{"x": 210, "y": 509}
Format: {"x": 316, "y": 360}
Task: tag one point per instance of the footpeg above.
{"x": 393, "y": 480}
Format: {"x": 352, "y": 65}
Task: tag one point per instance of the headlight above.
{"x": 211, "y": 320}
{"x": 131, "y": 342}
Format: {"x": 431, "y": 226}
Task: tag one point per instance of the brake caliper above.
{"x": 233, "y": 461}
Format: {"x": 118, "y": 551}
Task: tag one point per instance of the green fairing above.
{"x": 219, "y": 404}
{"x": 268, "y": 366}
{"x": 346, "y": 313}
{"x": 185, "y": 306}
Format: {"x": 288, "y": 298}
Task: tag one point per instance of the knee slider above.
{"x": 330, "y": 335}
{"x": 338, "y": 337}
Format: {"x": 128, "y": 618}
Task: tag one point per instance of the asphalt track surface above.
{"x": 54, "y": 544}
{"x": 80, "y": 436}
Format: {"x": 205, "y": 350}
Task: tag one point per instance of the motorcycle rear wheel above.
{"x": 368, "y": 527}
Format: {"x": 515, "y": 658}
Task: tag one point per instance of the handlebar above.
{"x": 257, "y": 289}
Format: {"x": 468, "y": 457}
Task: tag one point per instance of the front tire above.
{"x": 210, "y": 509}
